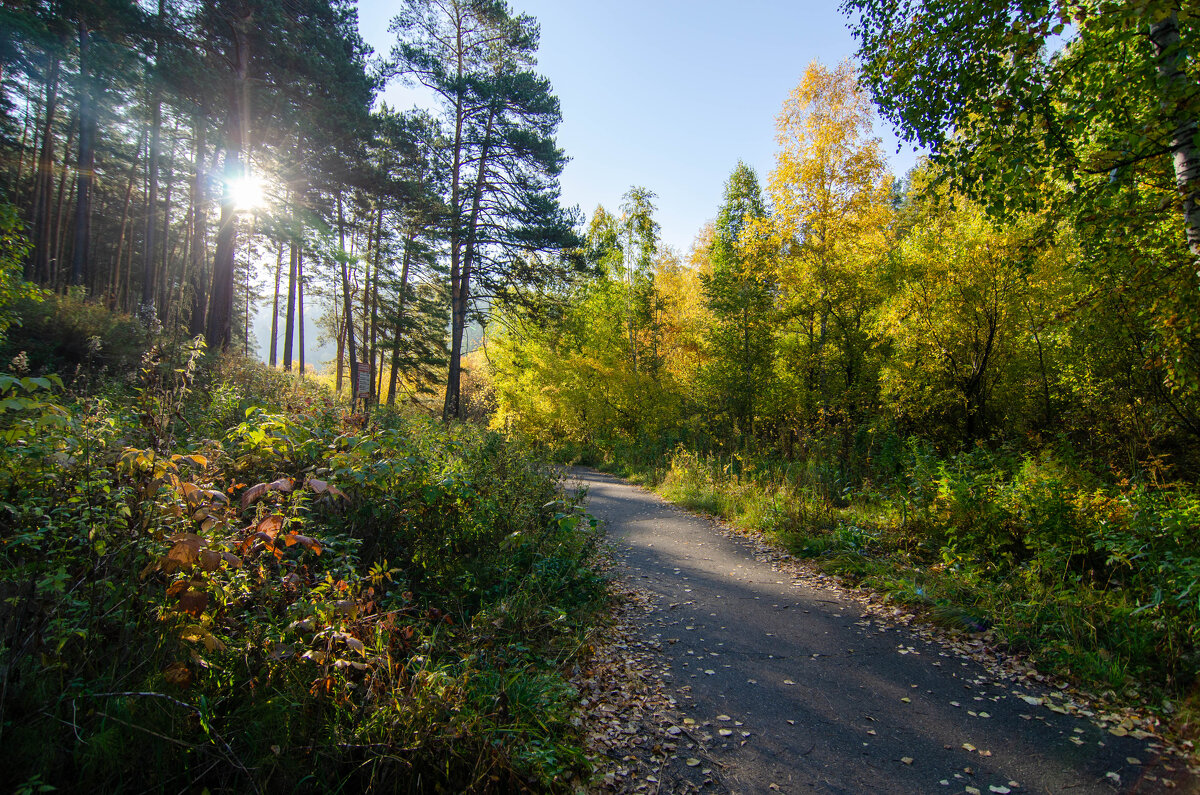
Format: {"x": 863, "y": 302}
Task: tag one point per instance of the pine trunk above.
{"x": 300, "y": 308}
{"x": 391, "y": 394}
{"x": 86, "y": 162}
{"x": 289, "y": 324}
{"x": 220, "y": 305}
{"x": 44, "y": 183}
{"x": 149, "y": 248}
{"x": 199, "y": 253}
{"x": 271, "y": 357}
{"x": 348, "y": 304}
{"x": 114, "y": 292}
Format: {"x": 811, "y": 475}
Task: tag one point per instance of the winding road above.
{"x": 793, "y": 686}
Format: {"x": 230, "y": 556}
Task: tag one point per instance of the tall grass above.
{"x": 1097, "y": 580}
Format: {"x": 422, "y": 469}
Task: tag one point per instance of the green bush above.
{"x": 220, "y": 578}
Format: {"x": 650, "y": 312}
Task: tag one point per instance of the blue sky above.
{"x": 667, "y": 94}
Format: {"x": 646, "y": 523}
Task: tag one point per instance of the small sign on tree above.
{"x": 362, "y": 381}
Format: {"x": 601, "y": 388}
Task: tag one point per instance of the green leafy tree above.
{"x": 831, "y": 194}
{"x": 740, "y": 292}
{"x": 1101, "y": 132}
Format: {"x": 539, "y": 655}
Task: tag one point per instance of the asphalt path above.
{"x": 793, "y": 687}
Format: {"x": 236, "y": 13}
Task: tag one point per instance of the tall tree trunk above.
{"x": 408, "y": 244}
{"x": 372, "y": 300}
{"x": 29, "y": 125}
{"x": 289, "y": 325}
{"x": 340, "y": 324}
{"x": 348, "y": 304}
{"x": 39, "y": 265}
{"x": 199, "y": 278}
{"x": 149, "y": 248}
{"x": 271, "y": 358}
{"x": 186, "y": 258}
{"x": 164, "y": 258}
{"x": 460, "y": 291}
{"x": 149, "y": 271}
{"x": 1170, "y": 58}
{"x": 450, "y": 405}
{"x": 115, "y": 288}
{"x": 220, "y": 305}
{"x": 86, "y": 162}
{"x": 300, "y": 309}
{"x": 66, "y": 196}
{"x": 162, "y": 278}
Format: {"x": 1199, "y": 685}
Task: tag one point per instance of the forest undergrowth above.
{"x": 215, "y": 576}
{"x": 1094, "y": 578}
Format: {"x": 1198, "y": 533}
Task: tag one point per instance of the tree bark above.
{"x": 460, "y": 290}
{"x": 39, "y": 266}
{"x": 199, "y": 277}
{"x": 372, "y": 299}
{"x": 271, "y": 358}
{"x": 163, "y": 276}
{"x": 347, "y": 303}
{"x": 63, "y": 198}
{"x": 1169, "y": 59}
{"x": 289, "y": 324}
{"x": 220, "y": 305}
{"x": 86, "y": 162}
{"x": 115, "y": 289}
{"x": 408, "y": 244}
{"x": 149, "y": 249}
{"x": 300, "y": 308}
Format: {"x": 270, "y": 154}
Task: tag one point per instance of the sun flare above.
{"x": 247, "y": 193}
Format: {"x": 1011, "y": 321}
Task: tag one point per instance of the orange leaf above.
{"x": 256, "y": 492}
{"x": 193, "y": 602}
{"x": 210, "y": 560}
{"x": 270, "y": 525}
{"x": 185, "y": 553}
{"x": 178, "y": 674}
{"x": 308, "y": 543}
{"x": 252, "y": 494}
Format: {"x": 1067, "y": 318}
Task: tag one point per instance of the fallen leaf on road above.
{"x": 906, "y": 760}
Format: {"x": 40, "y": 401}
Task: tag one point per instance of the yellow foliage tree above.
{"x": 831, "y": 192}
{"x": 970, "y": 318}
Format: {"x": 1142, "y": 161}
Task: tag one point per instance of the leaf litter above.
{"x": 635, "y": 735}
